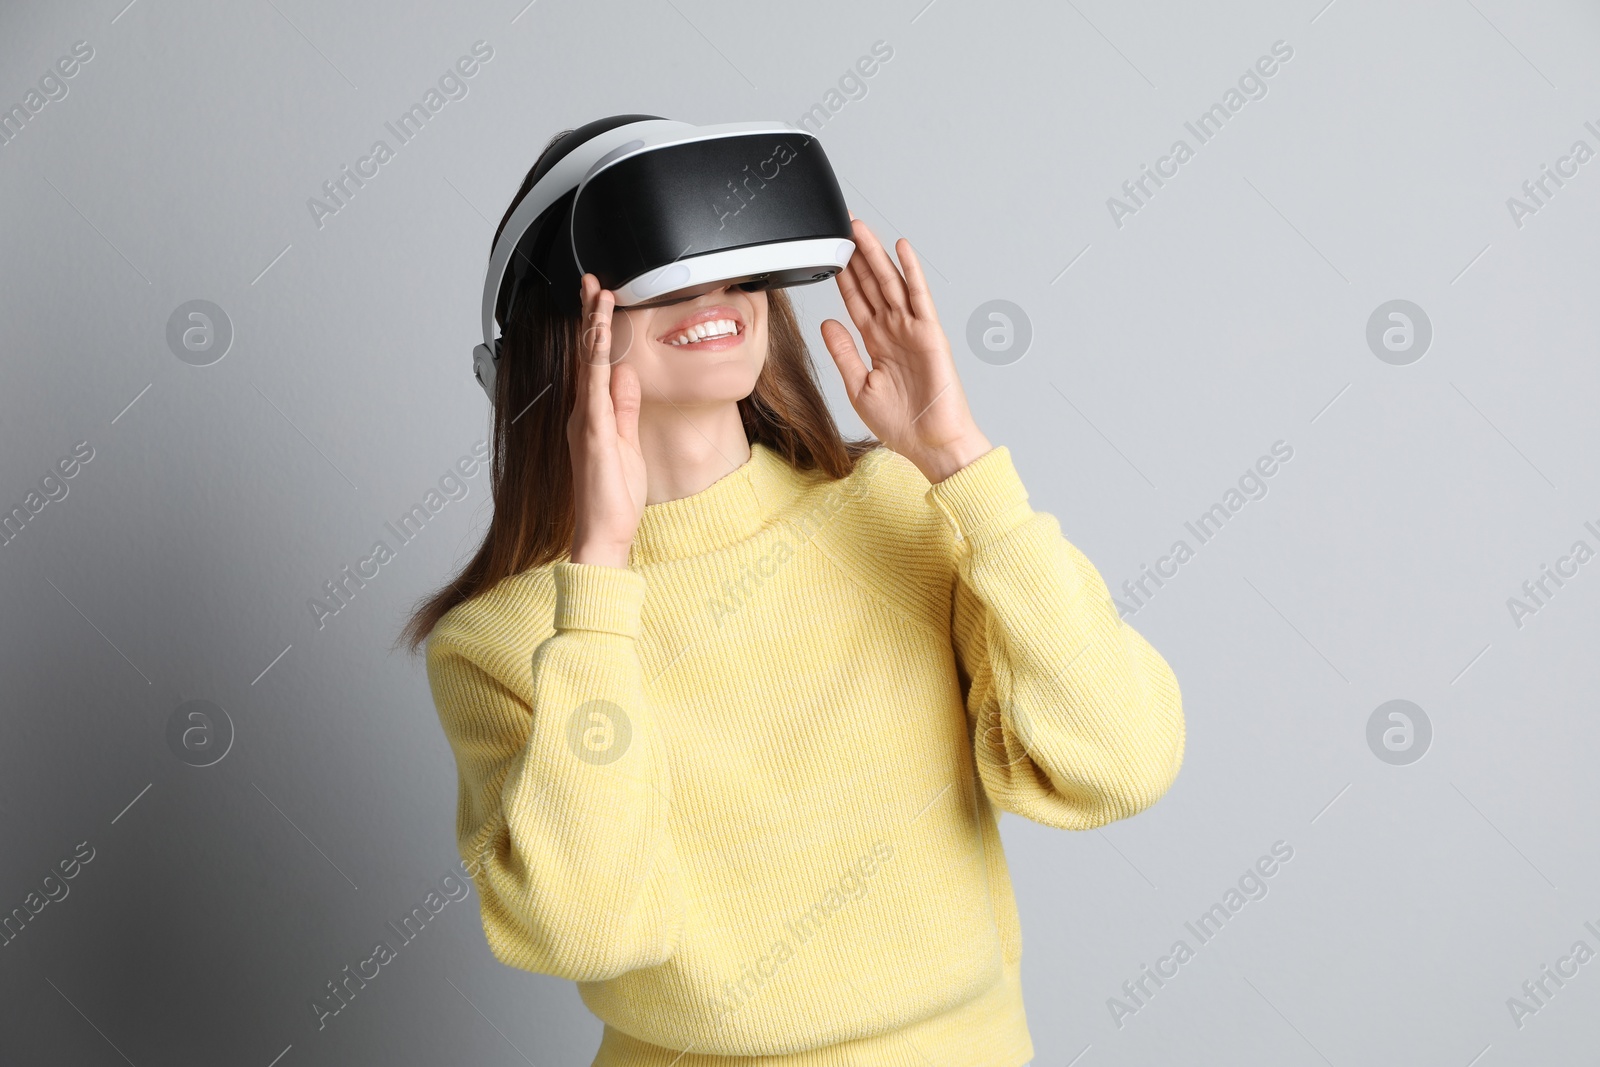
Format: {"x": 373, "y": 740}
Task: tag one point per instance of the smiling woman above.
{"x": 734, "y": 701}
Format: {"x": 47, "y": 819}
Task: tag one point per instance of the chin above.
{"x": 702, "y": 394}
{"x": 715, "y": 380}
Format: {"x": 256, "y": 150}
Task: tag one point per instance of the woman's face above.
{"x": 706, "y": 350}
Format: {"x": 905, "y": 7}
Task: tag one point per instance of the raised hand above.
{"x": 608, "y": 472}
{"x": 911, "y": 398}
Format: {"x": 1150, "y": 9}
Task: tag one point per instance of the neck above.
{"x": 686, "y": 448}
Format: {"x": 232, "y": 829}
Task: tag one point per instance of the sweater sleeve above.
{"x": 1077, "y": 719}
{"x": 564, "y": 794}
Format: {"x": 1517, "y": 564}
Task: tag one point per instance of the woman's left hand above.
{"x": 911, "y": 398}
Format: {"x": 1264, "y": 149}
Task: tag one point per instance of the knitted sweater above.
{"x": 743, "y": 791}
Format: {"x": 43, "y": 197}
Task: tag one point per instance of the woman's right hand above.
{"x": 608, "y": 473}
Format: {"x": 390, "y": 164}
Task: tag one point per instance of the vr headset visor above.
{"x": 662, "y": 211}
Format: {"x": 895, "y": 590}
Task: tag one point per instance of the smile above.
{"x": 714, "y": 327}
{"x": 706, "y": 331}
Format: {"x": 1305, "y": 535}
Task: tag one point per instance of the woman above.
{"x": 733, "y": 700}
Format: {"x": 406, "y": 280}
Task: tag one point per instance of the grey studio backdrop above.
{"x": 1341, "y": 346}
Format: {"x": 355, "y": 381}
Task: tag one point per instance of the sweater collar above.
{"x": 730, "y": 509}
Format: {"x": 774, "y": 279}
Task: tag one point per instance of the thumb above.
{"x": 842, "y": 347}
{"x": 625, "y": 401}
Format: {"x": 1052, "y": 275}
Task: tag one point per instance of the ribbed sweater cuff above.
{"x": 592, "y": 596}
{"x": 983, "y": 500}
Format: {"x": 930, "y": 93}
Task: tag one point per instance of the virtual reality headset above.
{"x": 662, "y": 211}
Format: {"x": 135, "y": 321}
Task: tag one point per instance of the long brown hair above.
{"x": 530, "y": 469}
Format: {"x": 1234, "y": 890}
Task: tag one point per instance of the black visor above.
{"x": 674, "y": 204}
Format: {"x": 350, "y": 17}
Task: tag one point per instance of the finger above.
{"x": 842, "y": 347}
{"x": 625, "y": 396}
{"x": 597, "y": 324}
{"x": 581, "y": 373}
{"x": 890, "y": 284}
{"x": 866, "y": 278}
{"x": 855, "y": 301}
{"x": 916, "y": 281}
{"x": 594, "y": 353}
{"x": 623, "y": 334}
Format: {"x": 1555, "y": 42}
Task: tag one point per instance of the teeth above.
{"x": 704, "y": 330}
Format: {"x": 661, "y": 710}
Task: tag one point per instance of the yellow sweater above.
{"x": 743, "y": 790}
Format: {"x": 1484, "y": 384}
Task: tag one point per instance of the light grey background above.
{"x": 1167, "y": 355}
